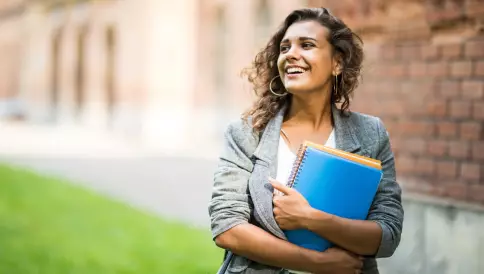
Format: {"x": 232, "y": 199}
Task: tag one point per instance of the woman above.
{"x": 309, "y": 66}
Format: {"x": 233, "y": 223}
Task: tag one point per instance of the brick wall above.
{"x": 424, "y": 76}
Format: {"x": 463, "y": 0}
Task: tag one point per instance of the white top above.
{"x": 285, "y": 160}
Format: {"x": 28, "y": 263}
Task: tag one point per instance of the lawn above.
{"x": 50, "y": 226}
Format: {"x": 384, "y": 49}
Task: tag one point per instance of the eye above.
{"x": 283, "y": 48}
{"x": 307, "y": 45}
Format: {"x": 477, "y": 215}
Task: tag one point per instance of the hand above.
{"x": 340, "y": 261}
{"x": 291, "y": 208}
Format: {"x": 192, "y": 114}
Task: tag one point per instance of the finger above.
{"x": 278, "y": 186}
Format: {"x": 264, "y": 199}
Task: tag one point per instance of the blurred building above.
{"x": 160, "y": 72}
{"x": 167, "y": 73}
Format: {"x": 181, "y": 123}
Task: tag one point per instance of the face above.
{"x": 306, "y": 61}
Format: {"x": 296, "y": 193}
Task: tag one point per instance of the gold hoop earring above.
{"x": 272, "y": 91}
{"x": 335, "y": 85}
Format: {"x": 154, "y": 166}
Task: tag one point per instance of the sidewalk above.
{"x": 175, "y": 186}
{"x": 27, "y": 140}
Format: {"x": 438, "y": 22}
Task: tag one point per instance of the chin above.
{"x": 297, "y": 89}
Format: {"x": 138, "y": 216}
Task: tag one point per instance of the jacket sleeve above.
{"x": 387, "y": 209}
{"x": 230, "y": 203}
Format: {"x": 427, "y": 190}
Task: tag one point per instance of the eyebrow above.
{"x": 302, "y": 38}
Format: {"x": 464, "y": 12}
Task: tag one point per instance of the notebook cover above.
{"x": 334, "y": 184}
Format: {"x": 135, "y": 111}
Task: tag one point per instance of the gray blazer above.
{"x": 242, "y": 193}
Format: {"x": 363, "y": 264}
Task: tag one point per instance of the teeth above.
{"x": 295, "y": 70}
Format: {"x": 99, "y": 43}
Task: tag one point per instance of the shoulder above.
{"x": 366, "y": 123}
{"x": 240, "y": 134}
{"x": 370, "y": 130}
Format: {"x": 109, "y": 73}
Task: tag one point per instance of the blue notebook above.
{"x": 335, "y": 182}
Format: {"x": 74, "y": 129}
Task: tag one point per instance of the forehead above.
{"x": 311, "y": 29}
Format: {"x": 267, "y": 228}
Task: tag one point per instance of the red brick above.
{"x": 478, "y": 110}
{"x": 437, "y": 148}
{"x": 395, "y": 142}
{"x": 438, "y": 69}
{"x": 459, "y": 149}
{"x": 410, "y": 52}
{"x": 470, "y": 171}
{"x": 391, "y": 126}
{"x": 447, "y": 129}
{"x": 425, "y": 166}
{"x": 454, "y": 190}
{"x": 437, "y": 108}
{"x": 417, "y": 69}
{"x": 461, "y": 69}
{"x": 424, "y": 88}
{"x": 396, "y": 70}
{"x": 430, "y": 52}
{"x": 449, "y": 89}
{"x": 437, "y": 16}
{"x": 396, "y": 108}
{"x": 415, "y": 146}
{"x": 474, "y": 49}
{"x": 473, "y": 89}
{"x": 471, "y": 130}
{"x": 474, "y": 8}
{"x": 405, "y": 164}
{"x": 418, "y": 129}
{"x": 451, "y": 51}
{"x": 416, "y": 108}
{"x": 478, "y": 151}
{"x": 446, "y": 169}
{"x": 476, "y": 193}
{"x": 460, "y": 109}
{"x": 479, "y": 68}
{"x": 390, "y": 52}
{"x": 387, "y": 87}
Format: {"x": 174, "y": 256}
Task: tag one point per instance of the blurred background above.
{"x": 112, "y": 114}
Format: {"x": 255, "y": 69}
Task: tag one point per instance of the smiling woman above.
{"x": 304, "y": 78}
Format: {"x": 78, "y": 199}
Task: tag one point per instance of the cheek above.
{"x": 321, "y": 65}
{"x": 280, "y": 65}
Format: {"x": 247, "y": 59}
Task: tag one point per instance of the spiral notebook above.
{"x": 334, "y": 181}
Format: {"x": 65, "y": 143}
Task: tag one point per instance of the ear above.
{"x": 337, "y": 64}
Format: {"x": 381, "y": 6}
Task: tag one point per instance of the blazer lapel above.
{"x": 266, "y": 165}
{"x": 345, "y": 132}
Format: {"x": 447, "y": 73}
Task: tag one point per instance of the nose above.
{"x": 293, "y": 53}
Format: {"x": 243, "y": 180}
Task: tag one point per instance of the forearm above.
{"x": 359, "y": 236}
{"x": 258, "y": 245}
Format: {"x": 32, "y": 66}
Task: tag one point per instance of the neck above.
{"x": 313, "y": 109}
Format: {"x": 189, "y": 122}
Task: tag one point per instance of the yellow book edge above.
{"x": 347, "y": 155}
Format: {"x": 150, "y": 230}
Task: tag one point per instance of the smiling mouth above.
{"x": 295, "y": 70}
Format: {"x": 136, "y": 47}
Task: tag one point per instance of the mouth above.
{"x": 294, "y": 70}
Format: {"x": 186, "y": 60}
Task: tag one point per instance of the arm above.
{"x": 387, "y": 210}
{"x": 230, "y": 210}
{"x": 377, "y": 236}
{"x": 358, "y": 236}
{"x": 258, "y": 245}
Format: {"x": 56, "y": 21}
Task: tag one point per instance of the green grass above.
{"x": 50, "y": 226}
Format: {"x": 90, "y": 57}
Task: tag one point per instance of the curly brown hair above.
{"x": 345, "y": 43}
